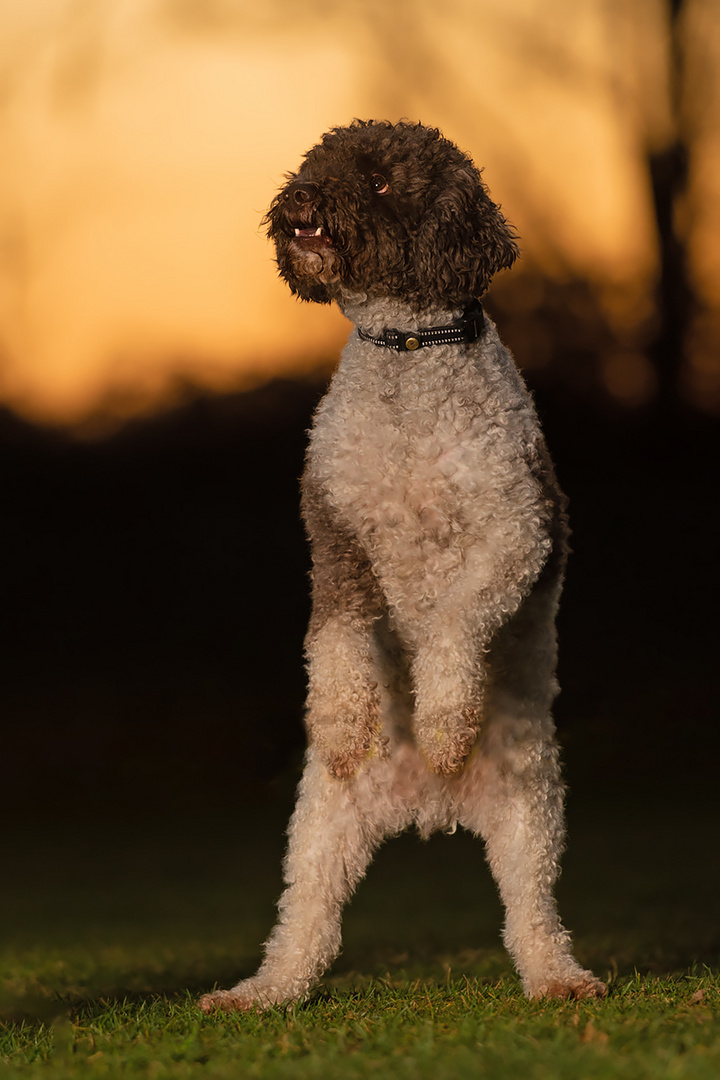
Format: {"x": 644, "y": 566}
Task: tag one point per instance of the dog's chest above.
{"x": 415, "y": 457}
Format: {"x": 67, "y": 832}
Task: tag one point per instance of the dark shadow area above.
{"x": 154, "y": 600}
{"x": 175, "y": 907}
{"x": 155, "y": 597}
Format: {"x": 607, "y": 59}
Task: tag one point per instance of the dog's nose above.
{"x": 300, "y": 194}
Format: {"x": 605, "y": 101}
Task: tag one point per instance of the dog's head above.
{"x": 388, "y": 210}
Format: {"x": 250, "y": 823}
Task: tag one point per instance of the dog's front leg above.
{"x": 343, "y": 710}
{"x": 343, "y": 703}
{"x": 449, "y": 679}
{"x": 451, "y": 647}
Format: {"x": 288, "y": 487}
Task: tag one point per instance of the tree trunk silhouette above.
{"x": 668, "y": 169}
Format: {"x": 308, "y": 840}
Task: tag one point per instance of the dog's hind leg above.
{"x": 523, "y": 833}
{"x": 512, "y": 795}
{"x": 334, "y": 831}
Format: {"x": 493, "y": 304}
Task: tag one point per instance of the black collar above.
{"x": 465, "y": 330}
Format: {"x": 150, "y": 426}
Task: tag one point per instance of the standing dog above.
{"x": 438, "y": 536}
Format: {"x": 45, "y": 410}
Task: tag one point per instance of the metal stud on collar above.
{"x": 464, "y": 330}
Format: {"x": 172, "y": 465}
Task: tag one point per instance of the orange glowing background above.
{"x": 142, "y": 140}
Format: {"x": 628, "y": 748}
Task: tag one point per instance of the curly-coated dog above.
{"x": 438, "y": 536}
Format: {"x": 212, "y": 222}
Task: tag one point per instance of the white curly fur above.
{"x": 429, "y": 689}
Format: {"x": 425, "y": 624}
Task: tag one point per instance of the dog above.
{"x": 439, "y": 538}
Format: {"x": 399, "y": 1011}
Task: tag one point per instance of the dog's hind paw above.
{"x": 242, "y": 998}
{"x": 585, "y": 985}
{"x": 227, "y": 1001}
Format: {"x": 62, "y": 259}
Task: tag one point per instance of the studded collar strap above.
{"x": 464, "y": 330}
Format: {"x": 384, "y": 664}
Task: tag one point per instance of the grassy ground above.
{"x": 108, "y": 934}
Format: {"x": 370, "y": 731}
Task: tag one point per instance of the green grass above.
{"x": 107, "y": 935}
{"x": 648, "y": 1028}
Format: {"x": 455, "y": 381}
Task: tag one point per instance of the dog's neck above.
{"x": 375, "y": 314}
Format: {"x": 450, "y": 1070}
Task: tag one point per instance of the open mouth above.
{"x": 312, "y": 237}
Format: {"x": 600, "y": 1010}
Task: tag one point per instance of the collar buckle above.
{"x": 474, "y": 317}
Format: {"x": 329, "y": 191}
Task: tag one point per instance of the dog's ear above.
{"x": 462, "y": 240}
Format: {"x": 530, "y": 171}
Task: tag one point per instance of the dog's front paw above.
{"x": 343, "y": 745}
{"x": 445, "y": 740}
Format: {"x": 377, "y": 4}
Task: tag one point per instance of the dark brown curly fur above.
{"x": 434, "y": 234}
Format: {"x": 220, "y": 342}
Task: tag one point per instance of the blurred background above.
{"x": 157, "y": 380}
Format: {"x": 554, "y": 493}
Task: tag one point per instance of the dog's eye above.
{"x": 379, "y": 184}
